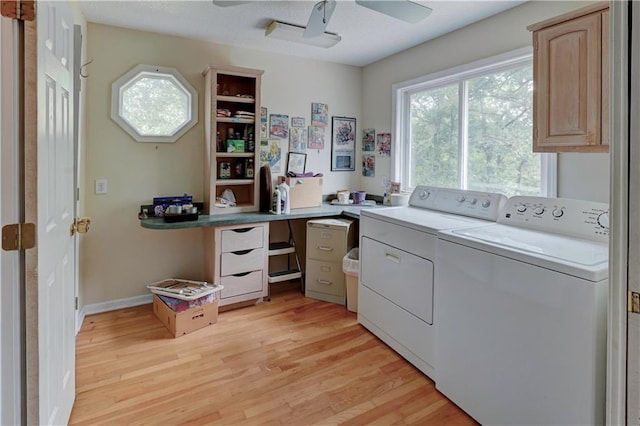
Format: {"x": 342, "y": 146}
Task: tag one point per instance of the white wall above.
{"x": 119, "y": 257}
{"x": 583, "y": 176}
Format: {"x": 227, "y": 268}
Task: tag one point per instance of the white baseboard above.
{"x": 97, "y": 308}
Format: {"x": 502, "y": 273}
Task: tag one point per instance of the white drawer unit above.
{"x": 245, "y": 238}
{"x": 237, "y": 257}
{"x": 328, "y": 241}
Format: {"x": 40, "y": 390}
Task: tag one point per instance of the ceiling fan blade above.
{"x": 404, "y": 10}
{"x": 226, "y": 3}
{"x": 319, "y": 18}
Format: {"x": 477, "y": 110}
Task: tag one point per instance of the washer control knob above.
{"x": 521, "y": 208}
{"x": 603, "y": 220}
{"x": 486, "y": 203}
{"x": 473, "y": 201}
{"x": 538, "y": 210}
{"x": 423, "y": 195}
{"x": 558, "y": 212}
{"x": 461, "y": 199}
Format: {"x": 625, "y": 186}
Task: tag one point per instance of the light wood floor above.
{"x": 291, "y": 361}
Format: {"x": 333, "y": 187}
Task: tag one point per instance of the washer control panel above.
{"x": 564, "y": 216}
{"x": 481, "y": 205}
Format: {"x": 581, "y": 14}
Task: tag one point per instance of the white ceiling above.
{"x": 367, "y": 36}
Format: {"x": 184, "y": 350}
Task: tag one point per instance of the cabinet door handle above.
{"x": 324, "y": 248}
{"x": 242, "y": 252}
{"x": 325, "y": 282}
{"x": 392, "y": 257}
{"x": 242, "y": 230}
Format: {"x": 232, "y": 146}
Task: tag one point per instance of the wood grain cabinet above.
{"x": 571, "y": 81}
{"x": 232, "y": 113}
{"x": 237, "y": 258}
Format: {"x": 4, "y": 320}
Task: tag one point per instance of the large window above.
{"x": 471, "y": 128}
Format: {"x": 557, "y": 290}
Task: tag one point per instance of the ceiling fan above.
{"x": 322, "y": 11}
{"x": 404, "y": 10}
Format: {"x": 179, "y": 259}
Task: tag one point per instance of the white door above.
{"x": 10, "y": 302}
{"x": 51, "y": 297}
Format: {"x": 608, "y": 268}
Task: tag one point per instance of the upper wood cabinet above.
{"x": 232, "y": 126}
{"x": 571, "y": 81}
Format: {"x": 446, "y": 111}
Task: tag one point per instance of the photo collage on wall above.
{"x": 279, "y": 136}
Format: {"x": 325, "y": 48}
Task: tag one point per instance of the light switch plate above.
{"x": 101, "y": 186}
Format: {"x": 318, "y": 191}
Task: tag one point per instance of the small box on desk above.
{"x": 186, "y": 320}
{"x": 305, "y": 191}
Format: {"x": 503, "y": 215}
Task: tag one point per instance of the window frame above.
{"x": 401, "y": 93}
{"x": 168, "y": 73}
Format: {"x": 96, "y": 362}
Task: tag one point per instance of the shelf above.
{"x": 235, "y": 120}
{"x": 236, "y": 99}
{"x": 229, "y": 182}
{"x": 289, "y": 274}
{"x": 235, "y": 154}
{"x": 283, "y": 247}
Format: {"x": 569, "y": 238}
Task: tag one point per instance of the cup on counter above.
{"x": 343, "y": 196}
{"x": 359, "y": 196}
{"x": 400, "y": 199}
{"x": 173, "y": 209}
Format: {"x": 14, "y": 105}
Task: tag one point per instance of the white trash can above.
{"x": 350, "y": 267}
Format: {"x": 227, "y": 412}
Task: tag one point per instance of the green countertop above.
{"x": 326, "y": 210}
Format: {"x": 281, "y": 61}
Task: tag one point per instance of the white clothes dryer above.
{"x": 397, "y": 264}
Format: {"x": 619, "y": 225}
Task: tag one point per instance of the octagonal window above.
{"x": 154, "y": 104}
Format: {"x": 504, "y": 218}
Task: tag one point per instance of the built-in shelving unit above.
{"x": 236, "y": 90}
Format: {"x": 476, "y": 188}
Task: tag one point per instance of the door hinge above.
{"x": 633, "y": 302}
{"x": 23, "y": 10}
{"x": 18, "y": 236}
{"x": 76, "y": 303}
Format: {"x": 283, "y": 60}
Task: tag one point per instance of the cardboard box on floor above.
{"x": 304, "y": 191}
{"x": 181, "y": 323}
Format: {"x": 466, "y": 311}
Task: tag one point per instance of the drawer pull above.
{"x": 392, "y": 257}
{"x": 324, "y": 248}
{"x": 242, "y": 252}
{"x": 325, "y": 282}
{"x": 242, "y": 230}
{"x": 241, "y": 274}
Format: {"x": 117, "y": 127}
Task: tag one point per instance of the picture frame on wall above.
{"x": 296, "y": 162}
{"x": 343, "y": 143}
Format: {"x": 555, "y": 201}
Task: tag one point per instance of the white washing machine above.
{"x": 521, "y": 309}
{"x": 397, "y": 264}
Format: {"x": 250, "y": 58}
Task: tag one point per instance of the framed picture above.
{"x": 279, "y": 126}
{"x": 316, "y": 138}
{"x": 319, "y": 114}
{"x": 296, "y": 162}
{"x": 297, "y": 139}
{"x": 297, "y": 122}
{"x": 271, "y": 154}
{"x": 369, "y": 140}
{"x": 264, "y": 124}
{"x": 343, "y": 143}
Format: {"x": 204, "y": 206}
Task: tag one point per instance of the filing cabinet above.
{"x": 328, "y": 241}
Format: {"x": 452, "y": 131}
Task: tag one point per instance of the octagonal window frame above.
{"x": 152, "y": 71}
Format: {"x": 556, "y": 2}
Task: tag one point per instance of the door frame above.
{"x": 12, "y": 407}
{"x": 619, "y": 212}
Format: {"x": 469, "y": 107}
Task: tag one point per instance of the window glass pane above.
{"x": 434, "y": 137}
{"x": 499, "y": 129}
{"x": 155, "y": 106}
